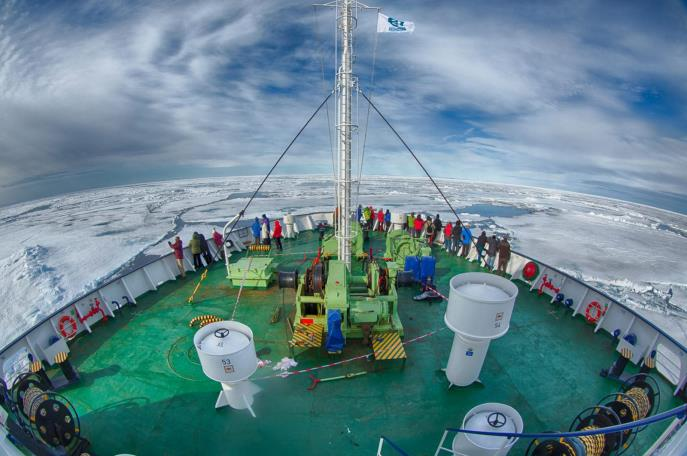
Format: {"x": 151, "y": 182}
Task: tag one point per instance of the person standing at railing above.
{"x": 466, "y": 239}
{"x": 410, "y": 222}
{"x": 387, "y": 220}
{"x": 205, "y": 248}
{"x": 277, "y": 235}
{"x": 380, "y": 219}
{"x": 492, "y": 248}
{"x": 178, "y": 248}
{"x": 430, "y": 231}
{"x": 256, "y": 228}
{"x": 455, "y": 236}
{"x": 504, "y": 254}
{"x": 196, "y": 250}
{"x": 448, "y": 236}
{"x": 417, "y": 226}
{"x": 481, "y": 242}
{"x": 265, "y": 234}
{"x": 217, "y": 237}
{"x": 438, "y": 228}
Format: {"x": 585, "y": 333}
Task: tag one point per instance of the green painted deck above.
{"x": 143, "y": 391}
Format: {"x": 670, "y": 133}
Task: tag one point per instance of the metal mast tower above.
{"x": 345, "y": 84}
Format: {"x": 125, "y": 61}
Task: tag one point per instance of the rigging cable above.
{"x": 411, "y": 153}
{"x": 243, "y": 211}
{"x": 473, "y": 241}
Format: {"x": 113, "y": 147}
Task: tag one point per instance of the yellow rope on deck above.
{"x": 203, "y": 276}
{"x": 594, "y": 444}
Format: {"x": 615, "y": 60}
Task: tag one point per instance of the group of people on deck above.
{"x": 263, "y": 233}
{"x": 373, "y": 219}
{"x": 458, "y": 238}
{"x": 199, "y": 248}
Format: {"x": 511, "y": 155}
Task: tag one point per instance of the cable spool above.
{"x": 644, "y": 390}
{"x": 594, "y": 444}
{"x": 638, "y": 398}
{"x": 288, "y": 279}
{"x": 558, "y": 447}
{"x": 318, "y": 279}
{"x": 22, "y": 384}
{"x": 52, "y": 418}
{"x": 596, "y": 418}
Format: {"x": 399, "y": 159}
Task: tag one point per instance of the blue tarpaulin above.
{"x": 413, "y": 264}
{"x": 427, "y": 267}
{"x": 335, "y": 340}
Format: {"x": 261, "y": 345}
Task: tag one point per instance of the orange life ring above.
{"x": 594, "y": 315}
{"x": 62, "y": 323}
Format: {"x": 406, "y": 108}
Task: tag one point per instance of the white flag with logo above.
{"x": 391, "y": 24}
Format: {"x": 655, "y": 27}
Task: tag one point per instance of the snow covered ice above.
{"x": 55, "y": 249}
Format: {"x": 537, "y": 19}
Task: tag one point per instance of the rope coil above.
{"x": 594, "y": 444}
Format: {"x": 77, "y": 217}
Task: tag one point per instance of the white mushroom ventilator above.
{"x": 226, "y": 350}
{"x": 490, "y": 417}
{"x": 479, "y": 309}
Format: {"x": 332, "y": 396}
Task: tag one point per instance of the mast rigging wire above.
{"x": 411, "y": 153}
{"x": 473, "y": 241}
{"x": 243, "y": 211}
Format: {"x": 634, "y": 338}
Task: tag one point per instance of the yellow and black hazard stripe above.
{"x": 307, "y": 335}
{"x": 388, "y": 345}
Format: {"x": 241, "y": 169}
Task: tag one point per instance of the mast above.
{"x": 344, "y": 128}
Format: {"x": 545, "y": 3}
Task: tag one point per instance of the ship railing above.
{"x": 385, "y": 440}
{"x": 619, "y": 320}
{"x": 678, "y": 412}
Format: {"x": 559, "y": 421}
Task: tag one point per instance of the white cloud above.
{"x": 497, "y": 91}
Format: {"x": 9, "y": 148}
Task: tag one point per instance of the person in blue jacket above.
{"x": 466, "y": 239}
{"x": 387, "y": 220}
{"x": 255, "y": 228}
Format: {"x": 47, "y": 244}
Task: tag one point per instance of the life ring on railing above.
{"x": 594, "y": 312}
{"x": 62, "y": 325}
{"x": 530, "y": 271}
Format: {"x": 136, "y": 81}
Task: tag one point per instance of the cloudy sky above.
{"x": 586, "y": 95}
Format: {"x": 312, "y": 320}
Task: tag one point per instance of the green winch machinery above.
{"x": 366, "y": 296}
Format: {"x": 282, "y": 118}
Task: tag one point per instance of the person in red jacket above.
{"x": 178, "y": 248}
{"x": 448, "y": 230}
{"x": 380, "y": 219}
{"x": 419, "y": 223}
{"x": 218, "y": 242}
{"x": 276, "y": 234}
{"x": 373, "y": 218}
